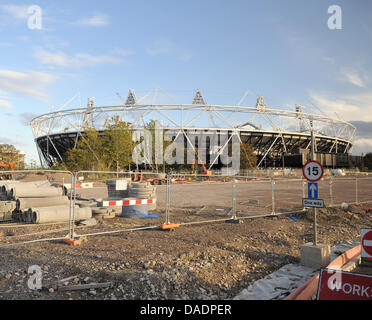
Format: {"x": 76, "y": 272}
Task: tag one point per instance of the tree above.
{"x": 248, "y": 159}
{"x": 367, "y": 160}
{"x": 89, "y": 152}
{"x": 9, "y": 152}
{"x": 118, "y": 145}
{"x": 157, "y": 137}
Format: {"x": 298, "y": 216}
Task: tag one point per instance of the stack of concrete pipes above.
{"x": 125, "y": 189}
{"x": 118, "y": 188}
{"x": 40, "y": 202}
{"x": 6, "y": 205}
{"x": 143, "y": 190}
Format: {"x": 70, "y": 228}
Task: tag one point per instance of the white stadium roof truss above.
{"x": 235, "y": 119}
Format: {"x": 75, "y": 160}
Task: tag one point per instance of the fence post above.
{"x": 330, "y": 192}
{"x": 303, "y": 188}
{"x": 234, "y": 198}
{"x": 356, "y": 190}
{"x": 72, "y": 211}
{"x": 272, "y": 196}
{"x": 167, "y": 207}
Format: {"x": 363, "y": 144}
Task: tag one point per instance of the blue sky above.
{"x": 281, "y": 49}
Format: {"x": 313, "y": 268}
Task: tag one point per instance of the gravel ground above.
{"x": 201, "y": 261}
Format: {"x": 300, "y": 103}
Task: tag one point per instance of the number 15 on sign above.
{"x": 312, "y": 171}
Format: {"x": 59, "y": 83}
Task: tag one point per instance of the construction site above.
{"x": 205, "y": 234}
{"x": 205, "y": 238}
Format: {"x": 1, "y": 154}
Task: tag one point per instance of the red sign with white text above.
{"x": 339, "y": 285}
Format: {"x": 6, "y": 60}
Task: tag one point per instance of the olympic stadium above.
{"x": 279, "y": 137}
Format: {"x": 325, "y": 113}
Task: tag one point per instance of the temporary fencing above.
{"x": 147, "y": 200}
{"x": 24, "y": 197}
{"x": 363, "y": 189}
{"x": 130, "y": 195}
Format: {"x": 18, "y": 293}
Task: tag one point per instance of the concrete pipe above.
{"x": 141, "y": 185}
{"x": 59, "y": 214}
{"x": 39, "y": 184}
{"x": 4, "y": 183}
{"x": 26, "y": 203}
{"x": 24, "y": 216}
{"x": 29, "y": 191}
{"x": 6, "y": 187}
{"x": 28, "y": 216}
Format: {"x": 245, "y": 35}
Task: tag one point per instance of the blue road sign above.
{"x": 312, "y": 191}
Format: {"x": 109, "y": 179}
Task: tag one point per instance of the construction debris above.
{"x": 89, "y": 222}
{"x": 92, "y": 285}
{"x": 38, "y": 202}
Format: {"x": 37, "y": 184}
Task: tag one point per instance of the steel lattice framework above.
{"x": 271, "y": 131}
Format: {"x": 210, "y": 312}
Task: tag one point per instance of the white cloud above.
{"x": 18, "y": 12}
{"x": 328, "y": 59}
{"x": 167, "y": 47}
{"x": 362, "y": 145}
{"x": 57, "y": 58}
{"x": 353, "y": 77}
{"x": 96, "y": 20}
{"x": 12, "y": 141}
{"x": 160, "y": 47}
{"x": 349, "y": 107}
{"x": 123, "y": 52}
{"x": 6, "y": 44}
{"x": 61, "y": 59}
{"x": 26, "y": 117}
{"x": 87, "y": 59}
{"x": 30, "y": 84}
{"x": 5, "y": 103}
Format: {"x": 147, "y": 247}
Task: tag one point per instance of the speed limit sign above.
{"x": 312, "y": 171}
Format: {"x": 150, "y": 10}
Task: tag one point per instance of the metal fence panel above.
{"x": 287, "y": 194}
{"x": 363, "y": 189}
{"x": 199, "y": 198}
{"x": 253, "y": 197}
{"x": 125, "y": 200}
{"x": 175, "y": 198}
{"x": 27, "y": 201}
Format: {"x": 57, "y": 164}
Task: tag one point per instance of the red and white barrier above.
{"x": 120, "y": 203}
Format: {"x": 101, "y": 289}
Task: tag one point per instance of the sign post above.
{"x": 313, "y": 171}
{"x": 314, "y": 255}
